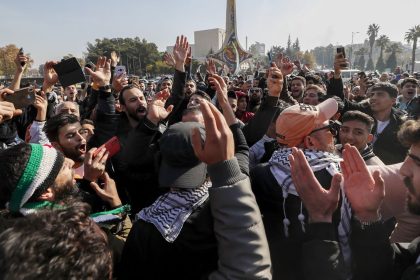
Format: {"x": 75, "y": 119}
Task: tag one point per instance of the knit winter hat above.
{"x": 40, "y": 172}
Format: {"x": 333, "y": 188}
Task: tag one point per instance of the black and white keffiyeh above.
{"x": 169, "y": 212}
{"x": 318, "y": 160}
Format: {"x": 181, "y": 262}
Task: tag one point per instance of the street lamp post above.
{"x": 351, "y": 49}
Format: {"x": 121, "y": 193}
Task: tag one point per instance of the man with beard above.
{"x": 373, "y": 256}
{"x": 38, "y": 177}
{"x": 297, "y": 87}
{"x": 66, "y": 134}
{"x": 255, "y": 96}
{"x": 190, "y": 87}
{"x": 139, "y": 121}
{"x": 310, "y": 129}
{"x": 70, "y": 93}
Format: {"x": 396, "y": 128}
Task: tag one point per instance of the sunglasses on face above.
{"x": 254, "y": 90}
{"x": 333, "y": 127}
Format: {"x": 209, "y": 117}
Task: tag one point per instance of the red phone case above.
{"x": 112, "y": 146}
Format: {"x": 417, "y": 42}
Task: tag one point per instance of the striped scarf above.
{"x": 318, "y": 160}
{"x": 170, "y": 211}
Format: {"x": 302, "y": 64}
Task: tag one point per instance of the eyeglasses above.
{"x": 254, "y": 90}
{"x": 333, "y": 127}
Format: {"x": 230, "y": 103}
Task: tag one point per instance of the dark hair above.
{"x": 12, "y": 164}
{"x": 391, "y": 89}
{"x": 55, "y": 123}
{"x": 87, "y": 121}
{"x": 409, "y": 133}
{"x": 320, "y": 92}
{"x": 194, "y": 110}
{"x": 409, "y": 80}
{"x": 121, "y": 97}
{"x": 232, "y": 94}
{"x": 55, "y": 244}
{"x": 300, "y": 78}
{"x": 203, "y": 94}
{"x": 358, "y": 116}
{"x": 317, "y": 80}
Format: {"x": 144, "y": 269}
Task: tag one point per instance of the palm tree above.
{"x": 412, "y": 35}
{"x": 372, "y": 33}
{"x": 382, "y": 42}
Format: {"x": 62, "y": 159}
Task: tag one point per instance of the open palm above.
{"x": 364, "y": 191}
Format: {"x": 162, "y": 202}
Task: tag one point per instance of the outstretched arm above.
{"x": 242, "y": 244}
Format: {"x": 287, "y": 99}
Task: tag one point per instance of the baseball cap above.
{"x": 297, "y": 121}
{"x": 180, "y": 168}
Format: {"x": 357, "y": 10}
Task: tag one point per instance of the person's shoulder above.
{"x": 260, "y": 170}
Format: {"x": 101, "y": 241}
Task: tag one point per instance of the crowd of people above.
{"x": 290, "y": 174}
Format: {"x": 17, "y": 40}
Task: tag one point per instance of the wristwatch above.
{"x": 105, "y": 88}
{"x": 366, "y": 224}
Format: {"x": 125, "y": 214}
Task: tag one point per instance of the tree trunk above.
{"x": 413, "y": 55}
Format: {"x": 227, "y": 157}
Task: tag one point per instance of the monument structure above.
{"x": 231, "y": 53}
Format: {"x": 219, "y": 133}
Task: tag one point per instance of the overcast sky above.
{"x": 50, "y": 29}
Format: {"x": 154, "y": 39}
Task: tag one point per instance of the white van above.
{"x": 346, "y": 75}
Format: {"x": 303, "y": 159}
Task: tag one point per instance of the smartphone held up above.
{"x": 341, "y": 50}
{"x": 22, "y": 63}
{"x": 21, "y": 98}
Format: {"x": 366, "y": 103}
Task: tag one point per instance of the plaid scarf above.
{"x": 318, "y": 160}
{"x": 170, "y": 211}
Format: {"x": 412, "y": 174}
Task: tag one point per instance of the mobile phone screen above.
{"x": 21, "y": 98}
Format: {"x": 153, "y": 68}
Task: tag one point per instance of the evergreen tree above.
{"x": 289, "y": 47}
{"x": 370, "y": 65}
{"x": 391, "y": 62}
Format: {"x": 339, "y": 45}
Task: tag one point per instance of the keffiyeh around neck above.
{"x": 170, "y": 211}
{"x": 318, "y": 160}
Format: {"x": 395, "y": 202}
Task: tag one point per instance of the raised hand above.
{"x": 319, "y": 202}
{"x": 50, "y": 76}
{"x": 169, "y": 59}
{"x": 94, "y": 166}
{"x": 219, "y": 85}
{"x": 18, "y": 61}
{"x": 340, "y": 63}
{"x": 107, "y": 191}
{"x": 114, "y": 59}
{"x": 7, "y": 110}
{"x": 364, "y": 191}
{"x": 189, "y": 57}
{"x": 102, "y": 74}
{"x": 180, "y": 52}
{"x": 41, "y": 104}
{"x": 156, "y": 111}
{"x": 274, "y": 80}
{"x": 219, "y": 144}
{"x": 284, "y": 64}
{"x": 119, "y": 82}
{"x": 210, "y": 67}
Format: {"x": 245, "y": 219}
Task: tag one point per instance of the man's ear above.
{"x": 123, "y": 108}
{"x": 308, "y": 141}
{"x": 48, "y": 195}
{"x": 370, "y": 138}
